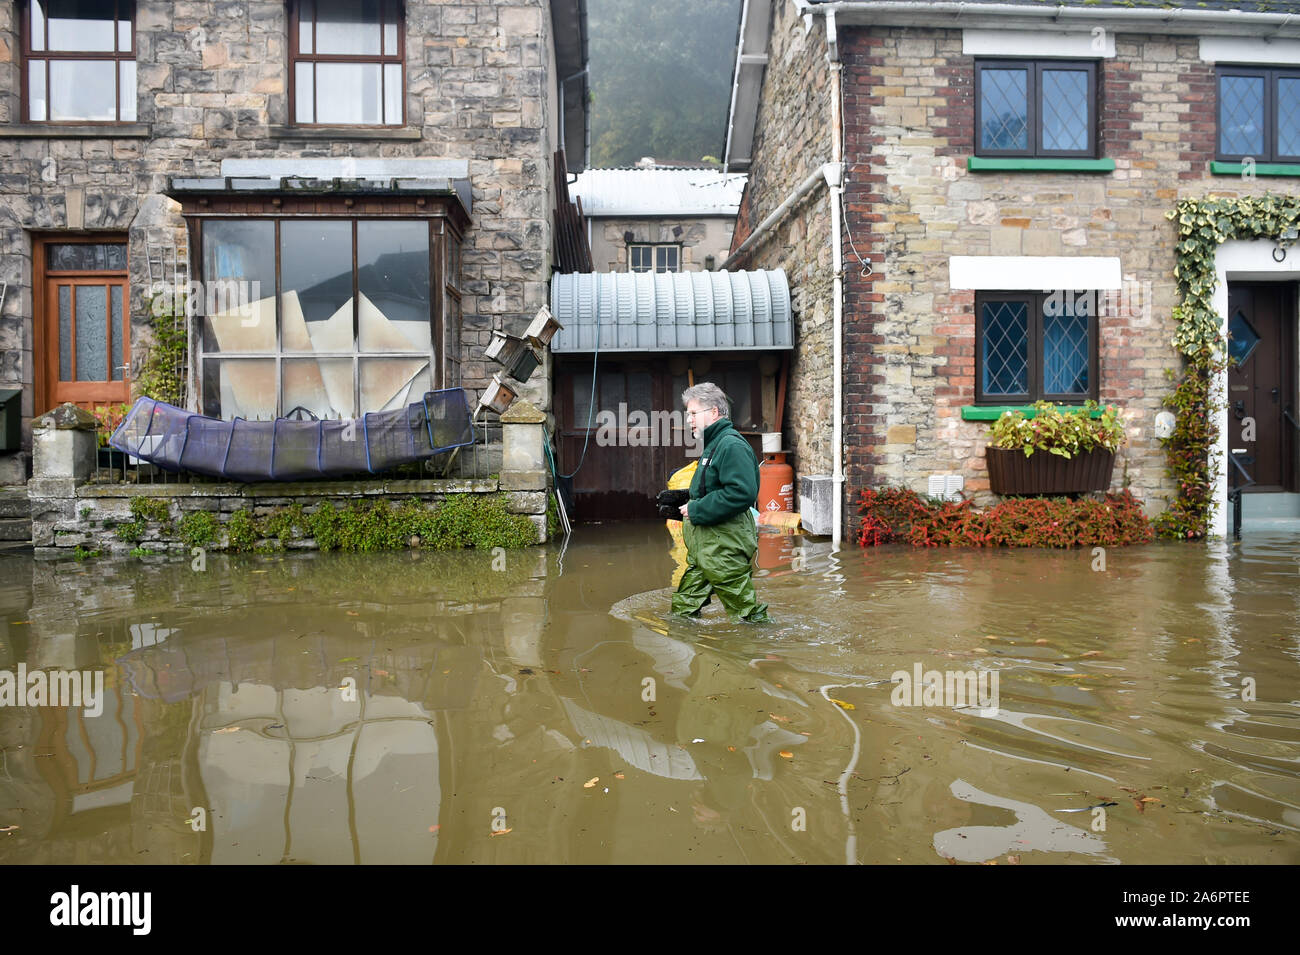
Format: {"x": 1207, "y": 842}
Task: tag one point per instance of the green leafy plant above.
{"x": 160, "y": 373}
{"x": 1067, "y": 433}
{"x": 241, "y": 531}
{"x": 1188, "y": 448}
{"x": 198, "y": 528}
{"x": 107, "y": 418}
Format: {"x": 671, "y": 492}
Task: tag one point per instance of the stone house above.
{"x": 659, "y": 218}
{"x": 936, "y": 177}
{"x": 357, "y": 194}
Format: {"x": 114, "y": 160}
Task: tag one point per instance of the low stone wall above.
{"x": 71, "y": 516}
{"x": 96, "y": 516}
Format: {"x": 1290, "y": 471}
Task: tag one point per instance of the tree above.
{"x": 661, "y": 78}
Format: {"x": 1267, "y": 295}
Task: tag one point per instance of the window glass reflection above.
{"x": 83, "y": 90}
{"x": 347, "y": 27}
{"x": 80, "y": 26}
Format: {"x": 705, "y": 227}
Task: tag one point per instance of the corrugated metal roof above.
{"x": 672, "y": 311}
{"x": 658, "y": 192}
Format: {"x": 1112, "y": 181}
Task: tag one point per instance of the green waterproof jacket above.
{"x": 726, "y": 481}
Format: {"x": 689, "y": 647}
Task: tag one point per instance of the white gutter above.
{"x": 817, "y": 175}
{"x": 945, "y": 13}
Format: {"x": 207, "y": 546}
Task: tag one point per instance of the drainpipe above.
{"x": 835, "y": 181}
{"x": 818, "y": 175}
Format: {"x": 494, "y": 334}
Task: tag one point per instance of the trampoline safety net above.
{"x": 293, "y": 450}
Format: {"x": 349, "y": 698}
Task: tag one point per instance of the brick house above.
{"x": 309, "y": 150}
{"x": 928, "y": 174}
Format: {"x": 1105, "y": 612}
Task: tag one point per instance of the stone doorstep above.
{"x": 15, "y": 503}
{"x": 16, "y": 529}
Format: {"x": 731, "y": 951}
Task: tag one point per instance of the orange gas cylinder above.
{"x": 775, "y": 483}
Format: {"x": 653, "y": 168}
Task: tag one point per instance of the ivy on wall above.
{"x": 161, "y": 373}
{"x": 1203, "y": 225}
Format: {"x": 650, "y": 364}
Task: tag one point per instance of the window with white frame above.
{"x": 654, "y": 258}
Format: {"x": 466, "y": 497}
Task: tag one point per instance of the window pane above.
{"x": 239, "y": 272}
{"x": 127, "y": 91}
{"x": 65, "y": 333}
{"x": 348, "y": 94}
{"x": 390, "y": 28}
{"x": 393, "y": 94}
{"x": 316, "y": 283}
{"x": 36, "y": 97}
{"x": 639, "y": 257}
{"x": 1241, "y": 115}
{"x": 92, "y": 333}
{"x": 124, "y": 34}
{"x": 389, "y": 383}
{"x": 393, "y": 277}
{"x": 82, "y": 89}
{"x": 1065, "y": 110}
{"x": 86, "y": 257}
{"x": 38, "y": 25}
{"x": 322, "y": 386}
{"x": 1288, "y": 117}
{"x": 84, "y": 26}
{"x": 583, "y": 415}
{"x": 306, "y": 14}
{"x": 347, "y": 26}
{"x": 239, "y": 387}
{"x": 1004, "y": 102}
{"x": 1065, "y": 344}
{"x": 119, "y": 330}
{"x": 1005, "y": 349}
{"x": 303, "y": 93}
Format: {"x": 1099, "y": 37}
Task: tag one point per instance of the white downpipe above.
{"x": 835, "y": 180}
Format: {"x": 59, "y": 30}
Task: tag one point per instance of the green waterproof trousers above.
{"x": 719, "y": 560}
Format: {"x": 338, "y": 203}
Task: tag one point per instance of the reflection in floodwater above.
{"x": 416, "y": 708}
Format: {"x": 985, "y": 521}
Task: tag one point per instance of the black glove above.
{"x": 669, "y": 504}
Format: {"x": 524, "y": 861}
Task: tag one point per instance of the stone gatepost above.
{"x": 524, "y": 474}
{"x": 63, "y": 456}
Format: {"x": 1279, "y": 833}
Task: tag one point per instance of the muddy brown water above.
{"x": 541, "y": 707}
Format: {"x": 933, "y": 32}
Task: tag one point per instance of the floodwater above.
{"x": 540, "y": 707}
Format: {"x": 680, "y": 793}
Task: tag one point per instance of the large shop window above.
{"x": 79, "y": 61}
{"x": 346, "y": 63}
{"x": 1259, "y": 114}
{"x": 356, "y": 326}
{"x": 1035, "y": 345}
{"x": 1043, "y": 109}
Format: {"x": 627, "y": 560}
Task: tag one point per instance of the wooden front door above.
{"x": 83, "y": 348}
{"x": 1262, "y": 383}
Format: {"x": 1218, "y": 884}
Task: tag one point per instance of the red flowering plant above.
{"x": 107, "y": 418}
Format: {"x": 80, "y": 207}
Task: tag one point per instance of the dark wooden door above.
{"x": 1261, "y": 381}
{"x": 83, "y": 339}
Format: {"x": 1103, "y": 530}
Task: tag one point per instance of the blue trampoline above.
{"x": 288, "y": 449}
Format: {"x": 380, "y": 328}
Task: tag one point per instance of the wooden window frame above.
{"x": 1271, "y": 75}
{"x": 116, "y": 57}
{"x": 1036, "y": 303}
{"x": 397, "y": 10}
{"x": 1033, "y": 93}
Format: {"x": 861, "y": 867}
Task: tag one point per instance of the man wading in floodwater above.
{"x": 718, "y": 526}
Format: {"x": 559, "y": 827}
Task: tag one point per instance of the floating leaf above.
{"x": 502, "y": 832}
{"x": 842, "y": 704}
{"x": 227, "y": 729}
{"x": 434, "y": 828}
{"x": 619, "y": 776}
{"x": 590, "y": 783}
{"x": 779, "y": 719}
{"x": 786, "y": 754}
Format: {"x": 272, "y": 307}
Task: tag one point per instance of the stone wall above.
{"x": 212, "y": 78}
{"x": 792, "y": 139}
{"x": 697, "y": 237}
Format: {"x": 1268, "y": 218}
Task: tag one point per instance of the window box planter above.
{"x": 1010, "y": 472}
